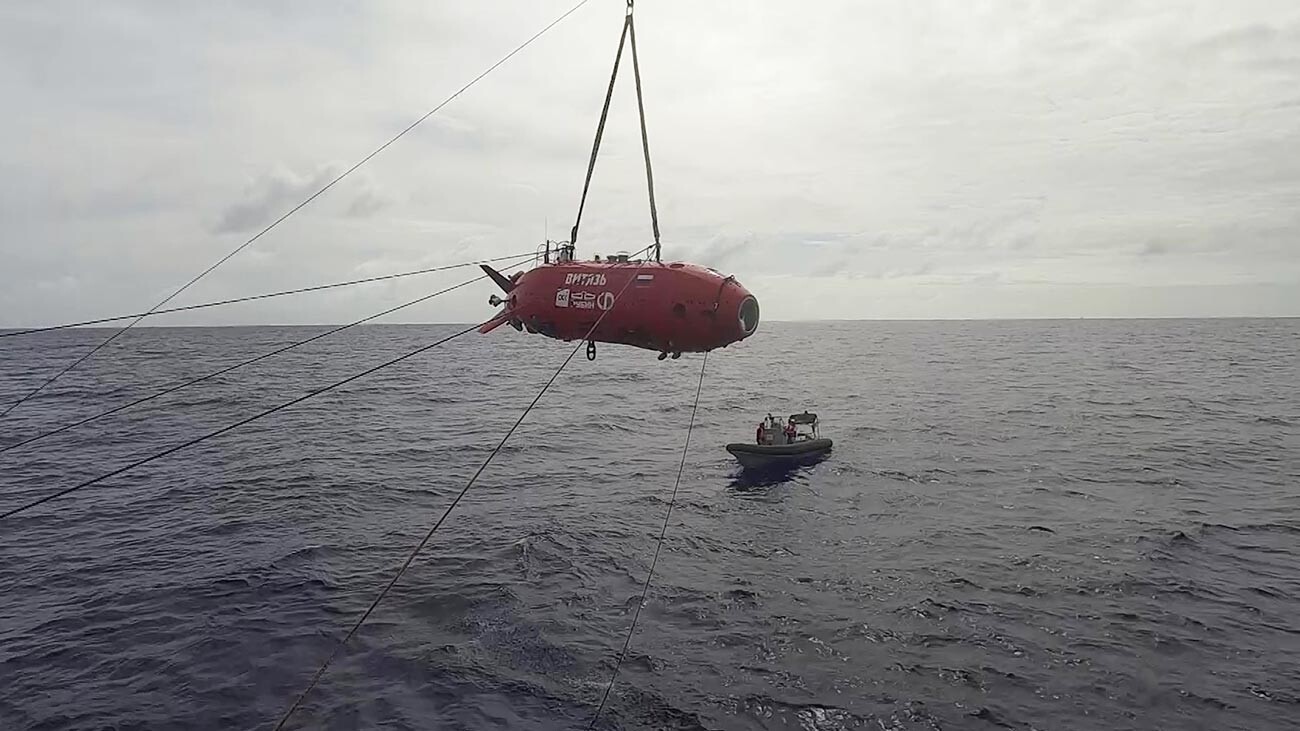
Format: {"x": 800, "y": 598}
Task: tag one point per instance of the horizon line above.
{"x": 794, "y": 321}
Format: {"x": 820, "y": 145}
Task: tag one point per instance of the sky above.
{"x": 890, "y": 159}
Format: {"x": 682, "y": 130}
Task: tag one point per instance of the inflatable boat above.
{"x": 795, "y": 443}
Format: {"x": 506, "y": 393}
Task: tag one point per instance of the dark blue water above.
{"x": 1048, "y": 525}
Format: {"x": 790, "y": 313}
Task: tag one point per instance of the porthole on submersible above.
{"x": 749, "y": 316}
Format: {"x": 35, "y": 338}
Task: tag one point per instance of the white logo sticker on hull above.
{"x": 605, "y": 300}
{"x": 561, "y": 298}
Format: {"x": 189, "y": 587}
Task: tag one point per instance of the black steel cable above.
{"x": 300, "y": 399}
{"x": 236, "y": 425}
{"x": 295, "y": 209}
{"x": 268, "y": 295}
{"x": 627, "y": 641}
{"x": 456, "y": 501}
{"x": 250, "y": 361}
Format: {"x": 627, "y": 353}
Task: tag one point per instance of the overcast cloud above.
{"x": 888, "y": 159}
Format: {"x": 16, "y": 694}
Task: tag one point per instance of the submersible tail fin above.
{"x": 494, "y": 323}
{"x": 501, "y": 281}
{"x": 506, "y": 315}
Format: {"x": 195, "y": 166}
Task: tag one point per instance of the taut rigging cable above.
{"x": 287, "y": 404}
{"x": 295, "y": 209}
{"x": 250, "y": 361}
{"x": 231, "y": 427}
{"x": 663, "y": 531}
{"x": 456, "y": 501}
{"x": 268, "y": 295}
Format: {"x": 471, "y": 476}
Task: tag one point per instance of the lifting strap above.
{"x": 629, "y": 32}
{"x": 645, "y": 139}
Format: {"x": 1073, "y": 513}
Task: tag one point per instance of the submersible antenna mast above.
{"x": 629, "y": 32}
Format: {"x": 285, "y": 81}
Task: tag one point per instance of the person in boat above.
{"x": 759, "y": 436}
{"x": 789, "y": 432}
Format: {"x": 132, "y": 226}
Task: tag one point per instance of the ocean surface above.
{"x": 1027, "y": 525}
